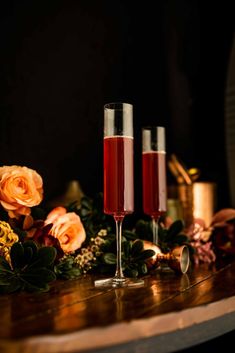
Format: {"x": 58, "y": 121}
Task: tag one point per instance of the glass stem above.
{"x": 155, "y": 230}
{"x": 119, "y": 273}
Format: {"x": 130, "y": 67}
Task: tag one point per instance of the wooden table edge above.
{"x": 125, "y": 332}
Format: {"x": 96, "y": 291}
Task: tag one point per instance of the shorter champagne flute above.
{"x": 154, "y": 175}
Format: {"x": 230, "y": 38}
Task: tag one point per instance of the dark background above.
{"x": 61, "y": 61}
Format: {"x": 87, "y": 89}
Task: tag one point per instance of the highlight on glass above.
{"x": 154, "y": 175}
{"x": 118, "y": 149}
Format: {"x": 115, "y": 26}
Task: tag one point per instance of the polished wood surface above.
{"x": 75, "y": 316}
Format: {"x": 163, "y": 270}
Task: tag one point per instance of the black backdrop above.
{"x": 61, "y": 61}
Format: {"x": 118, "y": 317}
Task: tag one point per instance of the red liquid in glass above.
{"x": 154, "y": 183}
{"x": 118, "y": 175}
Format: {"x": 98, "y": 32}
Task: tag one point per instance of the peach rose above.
{"x": 20, "y": 189}
{"x": 67, "y": 228}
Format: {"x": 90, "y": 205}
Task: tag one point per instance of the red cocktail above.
{"x": 154, "y": 183}
{"x": 118, "y": 176}
{"x": 154, "y": 175}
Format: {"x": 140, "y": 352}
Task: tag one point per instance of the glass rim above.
{"x": 117, "y": 105}
{"x": 153, "y": 138}
{"x": 150, "y": 127}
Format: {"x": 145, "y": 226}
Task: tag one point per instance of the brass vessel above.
{"x": 177, "y": 259}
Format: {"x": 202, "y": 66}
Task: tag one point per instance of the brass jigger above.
{"x": 177, "y": 259}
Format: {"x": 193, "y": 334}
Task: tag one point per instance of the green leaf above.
{"x": 31, "y": 244}
{"x": 175, "y": 229}
{"x": 5, "y": 280}
{"x": 129, "y": 235}
{"x": 37, "y": 280}
{"x": 17, "y": 255}
{"x": 68, "y": 273}
{"x": 85, "y": 212}
{"x": 39, "y": 276}
{"x": 30, "y": 249}
{"x": 67, "y": 269}
{"x": 137, "y": 247}
{"x": 126, "y": 248}
{"x": 144, "y": 255}
{"x": 162, "y": 234}
{"x": 45, "y": 257}
{"x": 143, "y": 269}
{"x": 109, "y": 245}
{"x": 143, "y": 229}
{"x": 109, "y": 258}
{"x": 86, "y": 202}
{"x": 15, "y": 285}
{"x": 29, "y": 287}
{"x": 132, "y": 273}
{"x": 28, "y": 254}
{"x": 21, "y": 233}
{"x": 181, "y": 239}
{"x": 4, "y": 265}
{"x": 65, "y": 264}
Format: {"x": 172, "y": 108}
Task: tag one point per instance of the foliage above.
{"x": 133, "y": 254}
{"x": 92, "y": 215}
{"x": 168, "y": 237}
{"x": 65, "y": 268}
{"x": 133, "y": 258}
{"x": 33, "y": 266}
{"x": 30, "y": 269}
{"x": 39, "y": 245}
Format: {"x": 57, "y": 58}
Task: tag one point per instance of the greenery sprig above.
{"x": 168, "y": 237}
{"x": 31, "y": 268}
{"x": 133, "y": 258}
{"x": 133, "y": 255}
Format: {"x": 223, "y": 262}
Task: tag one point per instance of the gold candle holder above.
{"x": 204, "y": 201}
{"x": 185, "y": 193}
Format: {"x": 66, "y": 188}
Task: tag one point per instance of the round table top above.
{"x": 170, "y": 312}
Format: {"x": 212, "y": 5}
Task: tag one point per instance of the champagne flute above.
{"x": 154, "y": 175}
{"x": 118, "y": 179}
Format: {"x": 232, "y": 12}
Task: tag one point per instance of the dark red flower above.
{"x": 43, "y": 238}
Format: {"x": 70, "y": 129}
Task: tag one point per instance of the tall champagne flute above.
{"x": 154, "y": 175}
{"x": 118, "y": 179}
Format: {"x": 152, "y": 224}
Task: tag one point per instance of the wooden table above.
{"x": 169, "y": 313}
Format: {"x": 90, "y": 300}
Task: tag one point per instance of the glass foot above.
{"x": 119, "y": 283}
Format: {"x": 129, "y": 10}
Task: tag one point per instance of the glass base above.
{"x": 119, "y": 283}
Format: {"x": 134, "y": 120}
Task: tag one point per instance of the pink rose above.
{"x": 67, "y": 228}
{"x": 20, "y": 189}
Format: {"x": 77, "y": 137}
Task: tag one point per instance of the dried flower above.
{"x": 103, "y": 233}
{"x": 199, "y": 240}
{"x": 85, "y": 259}
{"x": 7, "y": 239}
